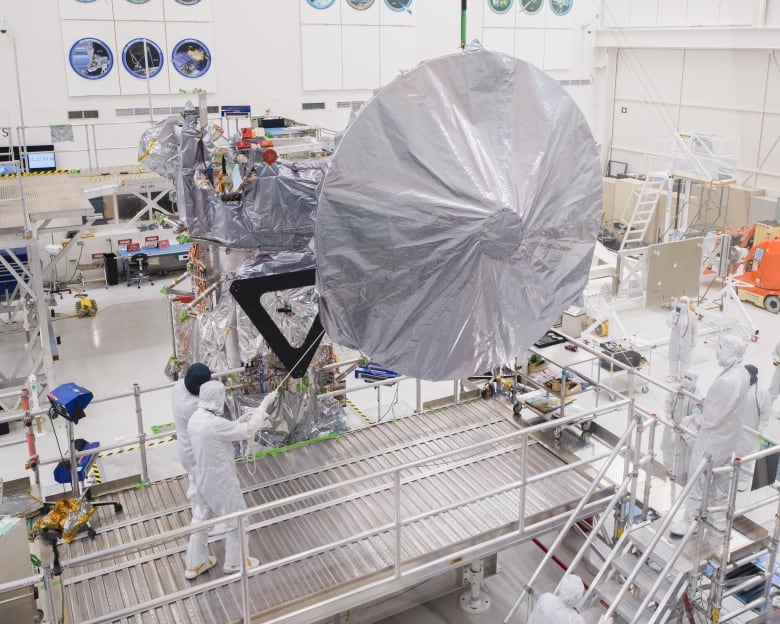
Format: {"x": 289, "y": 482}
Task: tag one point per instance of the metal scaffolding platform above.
{"x": 357, "y": 521}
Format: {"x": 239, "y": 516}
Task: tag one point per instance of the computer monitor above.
{"x": 36, "y": 158}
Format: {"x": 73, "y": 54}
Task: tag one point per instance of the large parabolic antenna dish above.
{"x": 458, "y": 217}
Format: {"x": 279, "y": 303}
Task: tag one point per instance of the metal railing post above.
{"x": 397, "y": 486}
{"x": 418, "y": 395}
{"x": 139, "y": 416}
{"x": 628, "y": 514}
{"x": 649, "y": 465}
{"x": 523, "y": 485}
{"x": 74, "y": 461}
{"x": 770, "y": 564}
{"x": 456, "y": 391}
{"x": 244, "y": 571}
{"x": 51, "y": 603}
{"x": 719, "y": 580}
{"x": 707, "y": 476}
{"x": 564, "y": 376}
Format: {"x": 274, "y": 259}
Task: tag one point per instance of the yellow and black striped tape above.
{"x": 36, "y": 173}
{"x": 359, "y": 412}
{"x": 96, "y": 473}
{"x": 135, "y": 447}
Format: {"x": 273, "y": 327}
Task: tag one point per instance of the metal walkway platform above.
{"x": 46, "y": 197}
{"x": 345, "y": 517}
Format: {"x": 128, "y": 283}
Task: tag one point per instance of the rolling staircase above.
{"x": 654, "y": 594}
{"x": 645, "y": 200}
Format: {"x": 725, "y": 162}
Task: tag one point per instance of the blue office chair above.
{"x": 137, "y": 260}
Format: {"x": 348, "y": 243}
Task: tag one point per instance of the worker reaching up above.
{"x": 217, "y": 489}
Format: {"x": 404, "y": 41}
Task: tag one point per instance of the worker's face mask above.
{"x": 687, "y": 383}
{"x": 717, "y": 355}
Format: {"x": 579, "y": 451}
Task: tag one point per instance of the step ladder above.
{"x": 645, "y": 200}
{"x": 624, "y": 563}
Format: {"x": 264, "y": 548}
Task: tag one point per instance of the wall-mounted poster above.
{"x": 320, "y": 4}
{"x": 500, "y": 6}
{"x": 142, "y": 57}
{"x": 561, "y": 7}
{"x": 532, "y": 7}
{"x": 399, "y": 5}
{"x": 360, "y": 5}
{"x": 191, "y": 58}
{"x": 91, "y": 58}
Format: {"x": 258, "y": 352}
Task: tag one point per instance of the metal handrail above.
{"x": 667, "y": 520}
{"x": 619, "y": 445}
{"x": 242, "y": 515}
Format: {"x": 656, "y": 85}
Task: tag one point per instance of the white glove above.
{"x": 256, "y": 421}
{"x": 265, "y": 405}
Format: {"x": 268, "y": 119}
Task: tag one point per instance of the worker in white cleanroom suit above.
{"x": 560, "y": 607}
{"x": 774, "y": 387}
{"x": 184, "y": 402}
{"x": 677, "y": 407}
{"x": 682, "y": 338}
{"x": 718, "y": 431}
{"x": 217, "y": 489}
{"x": 757, "y": 411}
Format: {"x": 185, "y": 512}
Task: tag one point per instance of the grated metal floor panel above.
{"x": 99, "y": 589}
{"x": 46, "y": 197}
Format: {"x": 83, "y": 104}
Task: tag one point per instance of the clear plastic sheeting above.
{"x": 458, "y": 217}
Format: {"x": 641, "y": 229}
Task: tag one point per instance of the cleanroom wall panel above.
{"x": 702, "y": 13}
{"x": 529, "y": 45}
{"x": 643, "y": 14}
{"x": 644, "y": 127}
{"x": 773, "y": 83}
{"x": 652, "y": 75}
{"x": 73, "y": 31}
{"x": 671, "y": 13}
{"x": 500, "y": 40}
{"x": 769, "y": 153}
{"x": 725, "y": 79}
{"x": 204, "y": 74}
{"x": 100, "y": 10}
{"x": 310, "y": 15}
{"x": 132, "y": 11}
{"x": 558, "y": 49}
{"x": 617, "y": 13}
{"x": 130, "y": 83}
{"x": 396, "y": 51}
{"x": 360, "y": 57}
{"x": 178, "y": 12}
{"x": 321, "y": 51}
{"x": 531, "y": 20}
{"x": 772, "y": 17}
{"x": 736, "y": 13}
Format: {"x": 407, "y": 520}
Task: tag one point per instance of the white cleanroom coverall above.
{"x": 682, "y": 338}
{"x": 757, "y": 411}
{"x": 677, "y": 407}
{"x": 184, "y": 402}
{"x": 719, "y": 428}
{"x": 560, "y": 607}
{"x": 217, "y": 489}
{"x": 774, "y": 386}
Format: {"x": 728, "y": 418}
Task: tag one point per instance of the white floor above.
{"x": 129, "y": 341}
